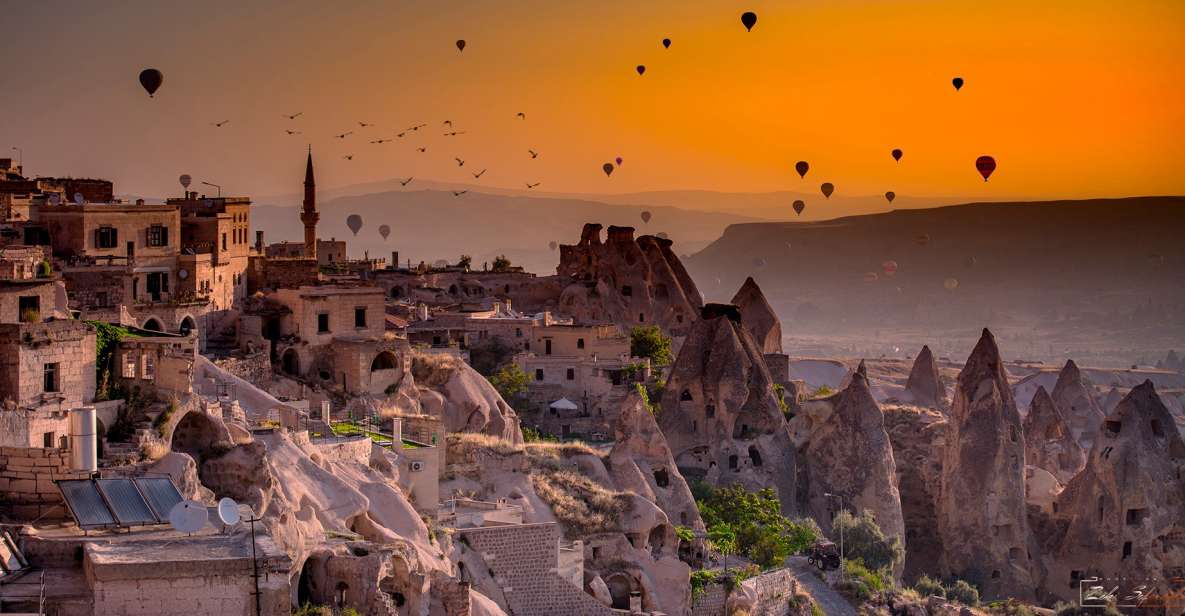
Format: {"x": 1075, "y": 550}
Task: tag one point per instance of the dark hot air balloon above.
{"x": 150, "y": 79}
{"x": 749, "y": 19}
{"x": 460, "y": 44}
{"x": 799, "y": 206}
{"x": 922, "y": 239}
{"x": 827, "y": 189}
{"x": 802, "y": 167}
{"x": 758, "y": 262}
{"x": 384, "y": 230}
{"x": 552, "y": 245}
{"x": 897, "y": 155}
{"x": 958, "y": 83}
{"x": 641, "y": 69}
{"x": 985, "y": 165}
{"x": 354, "y": 222}
{"x": 646, "y": 216}
{"x": 619, "y": 160}
{"x": 666, "y": 43}
{"x": 890, "y": 196}
{"x": 607, "y": 168}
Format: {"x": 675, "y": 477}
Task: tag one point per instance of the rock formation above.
{"x": 1048, "y": 442}
{"x": 759, "y": 317}
{"x": 981, "y": 514}
{"x": 464, "y": 400}
{"x": 719, "y": 412}
{"x": 1074, "y": 399}
{"x": 627, "y": 281}
{"x": 925, "y": 382}
{"x": 1173, "y": 362}
{"x": 918, "y": 436}
{"x": 849, "y": 454}
{"x": 1124, "y": 514}
{"x": 1110, "y": 401}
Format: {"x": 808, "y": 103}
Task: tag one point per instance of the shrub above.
{"x": 700, "y": 580}
{"x": 501, "y": 264}
{"x": 510, "y": 381}
{"x": 963, "y": 592}
{"x": 822, "y": 392}
{"x": 312, "y": 610}
{"x": 1010, "y": 607}
{"x": 863, "y": 539}
{"x": 44, "y": 269}
{"x": 861, "y": 583}
{"x": 752, "y": 522}
{"x": 654, "y": 407}
{"x": 533, "y": 435}
{"x": 1073, "y": 609}
{"x": 684, "y": 533}
{"x": 649, "y": 341}
{"x": 928, "y": 586}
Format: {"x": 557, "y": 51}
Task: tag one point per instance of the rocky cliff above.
{"x": 918, "y": 436}
{"x": 1048, "y": 442}
{"x": 1074, "y": 398}
{"x": 925, "y": 382}
{"x": 759, "y": 317}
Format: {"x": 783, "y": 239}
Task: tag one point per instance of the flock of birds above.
{"x": 151, "y": 80}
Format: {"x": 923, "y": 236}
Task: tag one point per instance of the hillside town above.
{"x": 385, "y": 437}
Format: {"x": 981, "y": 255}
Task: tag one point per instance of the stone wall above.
{"x": 771, "y": 590}
{"x": 26, "y": 481}
{"x": 355, "y": 449}
{"x": 265, "y": 273}
{"x": 254, "y": 368}
{"x": 710, "y": 602}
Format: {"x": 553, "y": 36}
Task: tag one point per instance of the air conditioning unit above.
{"x": 416, "y": 466}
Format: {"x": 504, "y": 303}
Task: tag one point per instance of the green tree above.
{"x": 753, "y": 522}
{"x": 649, "y": 341}
{"x": 510, "y": 381}
{"x": 864, "y": 540}
{"x": 501, "y": 264}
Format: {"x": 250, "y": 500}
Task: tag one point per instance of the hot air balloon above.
{"x": 871, "y": 277}
{"x": 958, "y": 83}
{"x": 799, "y": 206}
{"x": 641, "y": 69}
{"x": 749, "y": 19}
{"x": 666, "y": 43}
{"x": 951, "y": 284}
{"x": 552, "y": 245}
{"x": 460, "y": 44}
{"x": 985, "y": 165}
{"x": 897, "y": 155}
{"x": 150, "y": 79}
{"x": 619, "y": 160}
{"x": 185, "y": 181}
{"x": 646, "y": 216}
{"x": 889, "y": 267}
{"x": 384, "y": 230}
{"x": 827, "y": 189}
{"x": 607, "y": 168}
{"x": 890, "y": 196}
{"x": 354, "y": 222}
{"x": 758, "y": 262}
{"x": 802, "y": 167}
{"x": 922, "y": 239}
{"x": 969, "y": 261}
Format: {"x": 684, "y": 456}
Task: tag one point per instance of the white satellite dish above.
{"x": 185, "y": 180}
{"x": 183, "y": 273}
{"x": 228, "y": 511}
{"x": 188, "y": 516}
{"x": 78, "y": 198}
{"x": 55, "y": 199}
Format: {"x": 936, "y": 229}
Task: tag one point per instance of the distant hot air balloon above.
{"x": 827, "y": 189}
{"x": 871, "y": 277}
{"x": 897, "y": 154}
{"x": 799, "y": 206}
{"x": 354, "y": 222}
{"x": 969, "y": 261}
{"x": 185, "y": 180}
{"x": 802, "y": 167}
{"x": 922, "y": 239}
{"x": 460, "y": 44}
{"x": 552, "y": 245}
{"x": 646, "y": 216}
{"x": 889, "y": 267}
{"x": 607, "y": 168}
{"x": 384, "y": 230}
{"x": 619, "y": 160}
{"x": 985, "y": 165}
{"x": 951, "y": 284}
{"x": 890, "y": 196}
{"x": 641, "y": 69}
{"x": 758, "y": 262}
{"x": 749, "y": 19}
{"x": 150, "y": 79}
{"x": 958, "y": 83}
{"x": 666, "y": 43}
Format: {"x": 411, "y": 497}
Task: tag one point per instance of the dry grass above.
{"x": 463, "y": 445}
{"x": 153, "y": 450}
{"x": 560, "y": 450}
{"x": 582, "y": 506}
{"x": 432, "y": 369}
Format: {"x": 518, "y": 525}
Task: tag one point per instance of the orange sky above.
{"x": 1074, "y": 99}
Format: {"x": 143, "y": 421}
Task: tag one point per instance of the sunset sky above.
{"x": 1074, "y": 98}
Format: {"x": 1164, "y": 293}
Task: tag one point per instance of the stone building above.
{"x": 215, "y": 247}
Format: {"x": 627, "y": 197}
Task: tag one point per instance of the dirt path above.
{"x": 831, "y": 602}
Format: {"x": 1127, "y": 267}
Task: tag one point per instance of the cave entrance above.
{"x": 620, "y": 587}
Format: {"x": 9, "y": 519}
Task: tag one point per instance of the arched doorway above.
{"x": 290, "y": 363}
{"x": 383, "y": 361}
{"x": 619, "y": 589}
{"x": 187, "y": 325}
{"x": 153, "y": 325}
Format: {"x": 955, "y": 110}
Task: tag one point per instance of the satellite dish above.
{"x": 55, "y": 199}
{"x": 228, "y": 511}
{"x": 188, "y": 516}
{"x": 183, "y": 273}
{"x": 78, "y": 198}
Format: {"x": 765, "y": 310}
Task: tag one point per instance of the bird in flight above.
{"x": 522, "y": 116}
{"x": 448, "y": 123}
{"x": 219, "y": 124}
{"x": 454, "y": 133}
{"x": 405, "y": 182}
{"x": 381, "y": 140}
{"x": 416, "y": 127}
{"x": 344, "y": 135}
{"x": 400, "y": 135}
{"x": 533, "y": 153}
{"x": 421, "y": 149}
{"x": 460, "y": 163}
{"x": 530, "y": 185}
{"x": 364, "y": 124}
{"x": 348, "y": 157}
{"x": 458, "y": 193}
{"x": 478, "y": 175}
{"x": 294, "y": 116}
{"x": 291, "y": 132}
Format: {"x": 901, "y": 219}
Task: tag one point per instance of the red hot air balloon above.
{"x": 619, "y": 161}
{"x": 889, "y": 267}
{"x": 641, "y": 69}
{"x": 150, "y": 80}
{"x": 985, "y": 165}
{"x": 607, "y": 168}
{"x": 460, "y": 44}
{"x": 802, "y": 167}
{"x": 749, "y": 19}
{"x": 890, "y": 196}
{"x": 827, "y": 189}
{"x": 799, "y": 206}
{"x": 897, "y": 155}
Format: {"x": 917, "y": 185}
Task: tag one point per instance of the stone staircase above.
{"x": 127, "y": 451}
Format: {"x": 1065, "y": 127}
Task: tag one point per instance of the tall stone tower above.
{"x": 309, "y": 215}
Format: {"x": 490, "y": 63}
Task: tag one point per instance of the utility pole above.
{"x": 215, "y": 186}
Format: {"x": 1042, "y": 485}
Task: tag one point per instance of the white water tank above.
{"x": 84, "y": 450}
{"x": 397, "y": 432}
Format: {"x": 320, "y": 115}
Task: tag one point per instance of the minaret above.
{"x": 309, "y": 215}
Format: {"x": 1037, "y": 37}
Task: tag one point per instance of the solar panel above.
{"x": 126, "y": 502}
{"x": 86, "y": 504}
{"x": 161, "y": 494}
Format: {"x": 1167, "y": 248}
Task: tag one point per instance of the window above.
{"x": 538, "y": 374}
{"x": 627, "y": 291}
{"x": 106, "y": 237}
{"x": 732, "y": 462}
{"x": 547, "y": 347}
{"x": 359, "y": 317}
{"x": 129, "y": 366}
{"x": 518, "y": 332}
{"x": 158, "y": 235}
{"x": 30, "y": 309}
{"x": 224, "y": 241}
{"x": 323, "y": 323}
{"x": 52, "y": 383}
{"x": 47, "y": 440}
{"x": 148, "y": 367}
{"x": 571, "y": 374}
{"x": 641, "y": 318}
{"x": 580, "y": 343}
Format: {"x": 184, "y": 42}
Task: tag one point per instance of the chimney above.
{"x": 259, "y": 242}
{"x": 394, "y": 259}
{"x": 139, "y": 202}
